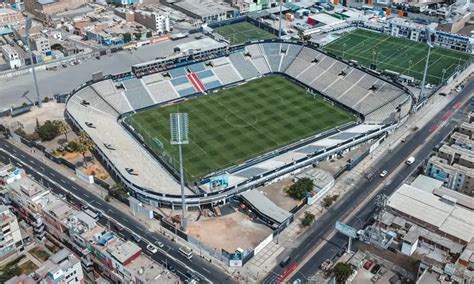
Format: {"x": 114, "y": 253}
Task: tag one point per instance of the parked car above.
{"x": 136, "y": 238}
{"x": 375, "y": 269}
{"x": 383, "y": 173}
{"x": 171, "y": 268}
{"x": 160, "y": 244}
{"x": 368, "y": 264}
{"x": 152, "y": 248}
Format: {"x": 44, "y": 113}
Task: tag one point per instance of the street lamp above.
{"x": 409, "y": 66}
{"x": 444, "y": 72}
{"x": 27, "y": 37}
{"x": 343, "y": 49}
{"x": 179, "y": 136}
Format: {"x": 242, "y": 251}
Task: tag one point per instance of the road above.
{"x": 421, "y": 141}
{"x": 61, "y": 184}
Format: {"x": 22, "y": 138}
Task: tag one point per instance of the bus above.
{"x": 187, "y": 252}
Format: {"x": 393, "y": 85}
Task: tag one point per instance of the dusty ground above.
{"x": 49, "y": 111}
{"x": 95, "y": 169}
{"x": 276, "y": 193}
{"x": 229, "y": 232}
{"x": 333, "y": 166}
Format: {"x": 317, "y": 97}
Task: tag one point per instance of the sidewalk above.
{"x": 293, "y": 235}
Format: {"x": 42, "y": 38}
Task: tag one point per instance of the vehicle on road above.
{"x": 92, "y": 214}
{"x": 186, "y": 252}
{"x": 160, "y": 244}
{"x": 368, "y": 264}
{"x": 136, "y": 238}
{"x": 375, "y": 269}
{"x": 152, "y": 248}
{"x": 383, "y": 173}
{"x": 410, "y": 160}
{"x": 171, "y": 268}
{"x": 285, "y": 261}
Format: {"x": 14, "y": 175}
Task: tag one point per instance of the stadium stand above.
{"x": 227, "y": 74}
{"x": 273, "y": 55}
{"x": 244, "y": 66}
{"x": 177, "y": 72}
{"x": 291, "y": 53}
{"x": 107, "y": 90}
{"x": 162, "y": 91}
{"x": 261, "y": 65}
{"x": 136, "y": 94}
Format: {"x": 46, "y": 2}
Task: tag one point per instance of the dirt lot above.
{"x": 49, "y": 111}
{"x": 276, "y": 193}
{"x": 232, "y": 231}
{"x": 97, "y": 170}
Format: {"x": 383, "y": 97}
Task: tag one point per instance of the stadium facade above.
{"x": 100, "y": 107}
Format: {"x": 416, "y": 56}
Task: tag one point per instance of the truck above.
{"x": 410, "y": 160}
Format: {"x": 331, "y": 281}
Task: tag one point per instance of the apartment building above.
{"x": 40, "y": 44}
{"x": 10, "y": 17}
{"x": 456, "y": 177}
{"x": 159, "y": 23}
{"x": 10, "y": 235}
{"x": 11, "y": 56}
{"x": 63, "y": 267}
{"x": 9, "y": 173}
{"x": 28, "y": 198}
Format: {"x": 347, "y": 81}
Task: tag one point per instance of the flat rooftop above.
{"x": 266, "y": 206}
{"x": 122, "y": 251}
{"x": 432, "y": 210}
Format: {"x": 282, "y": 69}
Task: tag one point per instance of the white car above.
{"x": 152, "y": 248}
{"x": 383, "y": 173}
{"x": 160, "y": 244}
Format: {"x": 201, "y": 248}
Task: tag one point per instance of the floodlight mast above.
{"x": 279, "y": 22}
{"x": 27, "y": 37}
{"x": 423, "y": 82}
{"x": 179, "y": 135}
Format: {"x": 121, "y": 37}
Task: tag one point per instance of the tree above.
{"x": 299, "y": 189}
{"x": 48, "y": 131}
{"x": 149, "y": 34}
{"x": 329, "y": 200}
{"x": 63, "y": 127}
{"x": 342, "y": 271}
{"x": 308, "y": 219}
{"x": 127, "y": 37}
{"x": 85, "y": 144}
{"x": 137, "y": 36}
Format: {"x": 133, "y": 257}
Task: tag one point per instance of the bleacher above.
{"x": 136, "y": 94}
{"x": 227, "y": 74}
{"x": 162, "y": 91}
{"x": 106, "y": 89}
{"x": 273, "y": 55}
{"x": 290, "y": 55}
{"x": 244, "y": 66}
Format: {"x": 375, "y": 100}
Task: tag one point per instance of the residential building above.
{"x": 206, "y": 10}
{"x": 11, "y": 56}
{"x": 40, "y": 44}
{"x": 467, "y": 129}
{"x": 10, "y": 173}
{"x": 159, "y": 23}
{"x": 28, "y": 199}
{"x": 43, "y": 9}
{"x": 63, "y": 267}
{"x": 10, "y": 17}
{"x": 456, "y": 177}
{"x": 456, "y": 154}
{"x": 10, "y": 235}
{"x": 125, "y": 2}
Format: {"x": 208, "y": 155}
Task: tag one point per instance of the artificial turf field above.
{"x": 236, "y": 124}
{"x": 396, "y": 54}
{"x": 242, "y": 32}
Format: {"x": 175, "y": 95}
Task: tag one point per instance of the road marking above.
{"x": 31, "y": 161}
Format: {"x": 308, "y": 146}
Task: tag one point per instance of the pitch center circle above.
{"x": 241, "y": 121}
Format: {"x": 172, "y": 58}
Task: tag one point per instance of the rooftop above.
{"x": 123, "y": 251}
{"x": 449, "y": 218}
{"x": 426, "y": 183}
{"x": 266, "y": 206}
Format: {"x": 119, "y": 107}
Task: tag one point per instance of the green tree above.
{"x": 342, "y": 271}
{"x": 127, "y": 37}
{"x": 149, "y": 34}
{"x": 137, "y": 36}
{"x": 48, "y": 131}
{"x": 63, "y": 127}
{"x": 299, "y": 189}
{"x": 308, "y": 219}
{"x": 85, "y": 144}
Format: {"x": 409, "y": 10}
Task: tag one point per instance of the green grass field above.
{"x": 242, "y": 32}
{"x": 234, "y": 125}
{"x": 396, "y": 54}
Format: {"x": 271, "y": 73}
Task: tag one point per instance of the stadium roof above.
{"x": 201, "y": 44}
{"x": 432, "y": 210}
{"x": 265, "y": 206}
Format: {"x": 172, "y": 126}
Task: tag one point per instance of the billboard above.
{"x": 346, "y": 230}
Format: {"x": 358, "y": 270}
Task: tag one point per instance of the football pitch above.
{"x": 242, "y": 32}
{"x": 236, "y": 124}
{"x": 400, "y": 55}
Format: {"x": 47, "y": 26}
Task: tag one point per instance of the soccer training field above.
{"x": 242, "y": 32}
{"x": 234, "y": 125}
{"x": 396, "y": 54}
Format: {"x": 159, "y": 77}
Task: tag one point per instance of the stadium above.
{"x": 257, "y": 112}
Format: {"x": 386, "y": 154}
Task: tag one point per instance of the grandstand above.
{"x": 105, "y": 103}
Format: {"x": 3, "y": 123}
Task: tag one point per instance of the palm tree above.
{"x": 63, "y": 128}
{"x": 85, "y": 144}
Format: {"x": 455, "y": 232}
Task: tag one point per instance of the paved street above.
{"x": 421, "y": 141}
{"x": 58, "y": 183}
